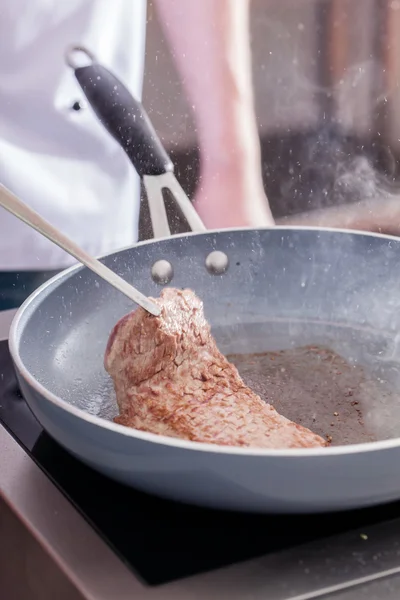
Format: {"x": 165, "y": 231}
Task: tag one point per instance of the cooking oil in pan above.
{"x": 342, "y": 383}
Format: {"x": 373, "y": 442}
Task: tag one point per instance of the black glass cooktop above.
{"x": 158, "y": 539}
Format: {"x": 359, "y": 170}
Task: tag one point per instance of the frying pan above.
{"x": 265, "y": 289}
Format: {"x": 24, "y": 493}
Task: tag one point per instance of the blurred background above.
{"x": 326, "y": 78}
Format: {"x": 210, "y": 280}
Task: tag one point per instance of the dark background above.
{"x": 326, "y": 81}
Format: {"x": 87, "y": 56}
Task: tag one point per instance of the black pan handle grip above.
{"x": 125, "y": 119}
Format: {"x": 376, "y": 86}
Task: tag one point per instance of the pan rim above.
{"x": 177, "y": 443}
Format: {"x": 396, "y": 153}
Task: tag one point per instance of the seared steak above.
{"x": 171, "y": 379}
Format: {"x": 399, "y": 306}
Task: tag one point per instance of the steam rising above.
{"x": 326, "y": 168}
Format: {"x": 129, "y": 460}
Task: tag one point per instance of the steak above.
{"x": 171, "y": 379}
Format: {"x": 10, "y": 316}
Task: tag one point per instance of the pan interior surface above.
{"x": 285, "y": 289}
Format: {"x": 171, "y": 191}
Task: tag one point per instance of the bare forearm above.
{"x": 210, "y": 43}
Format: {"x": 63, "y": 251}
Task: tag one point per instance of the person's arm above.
{"x": 210, "y": 43}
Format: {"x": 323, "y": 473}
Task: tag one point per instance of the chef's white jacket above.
{"x": 59, "y": 160}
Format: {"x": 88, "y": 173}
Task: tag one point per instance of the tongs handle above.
{"x": 124, "y": 117}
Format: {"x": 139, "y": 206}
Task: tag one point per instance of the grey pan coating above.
{"x": 284, "y": 288}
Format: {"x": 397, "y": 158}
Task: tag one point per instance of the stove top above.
{"x": 163, "y": 541}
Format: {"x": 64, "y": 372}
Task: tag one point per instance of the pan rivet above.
{"x": 217, "y": 262}
{"x": 162, "y": 272}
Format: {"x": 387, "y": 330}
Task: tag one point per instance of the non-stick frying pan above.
{"x": 280, "y": 288}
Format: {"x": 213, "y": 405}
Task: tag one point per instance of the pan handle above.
{"x": 122, "y": 115}
{"x": 127, "y": 121}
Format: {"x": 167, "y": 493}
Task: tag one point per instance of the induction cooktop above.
{"x": 160, "y": 540}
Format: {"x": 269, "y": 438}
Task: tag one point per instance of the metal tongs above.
{"x": 127, "y": 121}
{"x": 22, "y": 211}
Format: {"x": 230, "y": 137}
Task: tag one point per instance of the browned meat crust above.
{"x": 171, "y": 379}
